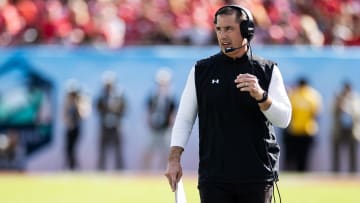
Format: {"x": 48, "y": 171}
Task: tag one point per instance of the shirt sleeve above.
{"x": 186, "y": 114}
{"x": 279, "y": 113}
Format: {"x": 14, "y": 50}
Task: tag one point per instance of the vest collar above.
{"x": 244, "y": 58}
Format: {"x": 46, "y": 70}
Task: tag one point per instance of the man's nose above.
{"x": 223, "y": 34}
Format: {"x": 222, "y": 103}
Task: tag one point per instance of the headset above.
{"x": 247, "y": 26}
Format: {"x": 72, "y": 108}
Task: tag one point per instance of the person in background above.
{"x": 111, "y": 107}
{"x": 74, "y": 112}
{"x": 306, "y": 105}
{"x": 346, "y": 117}
{"x": 12, "y": 151}
{"x": 237, "y": 98}
{"x": 161, "y": 106}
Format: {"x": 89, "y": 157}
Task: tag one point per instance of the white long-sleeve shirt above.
{"x": 279, "y": 113}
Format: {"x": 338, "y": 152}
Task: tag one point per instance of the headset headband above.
{"x": 247, "y": 27}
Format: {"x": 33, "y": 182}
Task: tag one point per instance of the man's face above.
{"x": 228, "y": 34}
{"x": 108, "y": 88}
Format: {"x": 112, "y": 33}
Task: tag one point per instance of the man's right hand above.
{"x": 174, "y": 170}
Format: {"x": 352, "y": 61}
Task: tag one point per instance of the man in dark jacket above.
{"x": 111, "y": 106}
{"x": 161, "y": 106}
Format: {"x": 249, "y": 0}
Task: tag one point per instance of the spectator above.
{"x": 306, "y": 105}
{"x": 111, "y": 107}
{"x": 72, "y": 121}
{"x": 12, "y": 151}
{"x": 346, "y": 114}
{"x": 127, "y": 22}
{"x": 160, "y": 114}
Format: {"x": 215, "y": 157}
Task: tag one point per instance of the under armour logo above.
{"x": 213, "y": 81}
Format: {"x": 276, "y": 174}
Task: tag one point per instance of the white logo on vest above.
{"x": 215, "y": 81}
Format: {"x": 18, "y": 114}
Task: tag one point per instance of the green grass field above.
{"x": 153, "y": 188}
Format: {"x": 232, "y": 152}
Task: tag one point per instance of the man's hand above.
{"x": 174, "y": 170}
{"x": 249, "y": 83}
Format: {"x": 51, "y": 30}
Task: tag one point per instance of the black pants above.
{"x": 345, "y": 137}
{"x": 236, "y": 193}
{"x": 72, "y": 138}
{"x": 110, "y": 141}
{"x": 297, "y": 151}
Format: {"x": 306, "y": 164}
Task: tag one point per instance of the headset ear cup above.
{"x": 251, "y": 29}
{"x": 247, "y": 29}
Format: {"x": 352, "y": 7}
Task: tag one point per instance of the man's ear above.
{"x": 244, "y": 42}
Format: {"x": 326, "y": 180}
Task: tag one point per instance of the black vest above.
{"x": 236, "y": 142}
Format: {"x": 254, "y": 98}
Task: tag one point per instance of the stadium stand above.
{"x": 115, "y": 23}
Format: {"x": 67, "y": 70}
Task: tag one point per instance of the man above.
{"x": 237, "y": 99}
{"x": 72, "y": 121}
{"x": 111, "y": 107}
{"x": 346, "y": 125}
{"x": 306, "y": 105}
{"x": 161, "y": 106}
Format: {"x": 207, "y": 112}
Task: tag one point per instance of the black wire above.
{"x": 251, "y": 59}
{"x": 271, "y": 168}
{"x": 273, "y": 192}
{"x": 278, "y": 191}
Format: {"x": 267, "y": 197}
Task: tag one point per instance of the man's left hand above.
{"x": 249, "y": 83}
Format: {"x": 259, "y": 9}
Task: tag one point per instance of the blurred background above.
{"x": 77, "y": 79}
{"x": 115, "y": 23}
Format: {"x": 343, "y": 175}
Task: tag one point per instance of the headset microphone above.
{"x": 231, "y": 49}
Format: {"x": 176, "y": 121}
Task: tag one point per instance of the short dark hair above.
{"x": 347, "y": 84}
{"x": 229, "y": 10}
{"x": 302, "y": 81}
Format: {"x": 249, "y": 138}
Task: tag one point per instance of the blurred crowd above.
{"x": 300, "y": 137}
{"x": 27, "y": 118}
{"x": 115, "y": 23}
{"x": 24, "y": 129}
